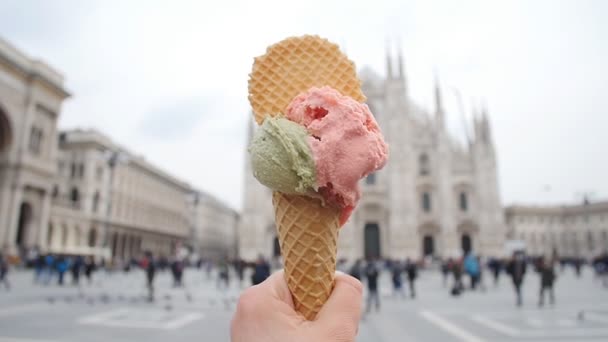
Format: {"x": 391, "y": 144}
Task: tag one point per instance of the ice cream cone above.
{"x": 307, "y": 230}
{"x": 293, "y": 66}
{"x": 308, "y": 235}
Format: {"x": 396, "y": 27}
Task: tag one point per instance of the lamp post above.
{"x": 113, "y": 158}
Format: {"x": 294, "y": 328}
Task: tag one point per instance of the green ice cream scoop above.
{"x": 281, "y": 158}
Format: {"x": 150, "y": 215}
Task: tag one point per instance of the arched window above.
{"x": 426, "y": 202}
{"x": 428, "y": 245}
{"x": 75, "y": 196}
{"x": 49, "y": 235}
{"x": 423, "y": 165}
{"x": 590, "y": 241}
{"x": 463, "y": 203}
{"x": 5, "y": 131}
{"x": 92, "y": 237}
{"x": 73, "y": 169}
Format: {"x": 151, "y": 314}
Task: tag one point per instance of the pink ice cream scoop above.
{"x": 345, "y": 140}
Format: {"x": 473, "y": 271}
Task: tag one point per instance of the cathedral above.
{"x": 434, "y": 198}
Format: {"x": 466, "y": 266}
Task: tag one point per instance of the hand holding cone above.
{"x": 308, "y": 224}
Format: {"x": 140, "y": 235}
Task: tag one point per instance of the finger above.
{"x": 277, "y": 286}
{"x": 343, "y": 308}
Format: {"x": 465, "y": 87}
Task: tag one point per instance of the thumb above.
{"x": 342, "y": 311}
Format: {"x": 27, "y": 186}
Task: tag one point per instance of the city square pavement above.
{"x": 114, "y": 307}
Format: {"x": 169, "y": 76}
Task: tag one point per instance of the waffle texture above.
{"x": 308, "y": 234}
{"x": 308, "y": 231}
{"x": 293, "y": 66}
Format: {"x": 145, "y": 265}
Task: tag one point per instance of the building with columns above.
{"x": 105, "y": 195}
{"x": 216, "y": 231}
{"x": 435, "y": 197}
{"x": 568, "y": 231}
{"x": 78, "y": 192}
{"x": 31, "y": 96}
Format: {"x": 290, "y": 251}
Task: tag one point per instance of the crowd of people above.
{"x": 466, "y": 274}
{"x": 458, "y": 274}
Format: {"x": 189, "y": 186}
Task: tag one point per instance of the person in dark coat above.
{"x": 62, "y": 265}
{"x": 396, "y": 271}
{"x": 89, "y": 268}
{"x": 223, "y": 280}
{"x": 517, "y": 270}
{"x": 495, "y": 265}
{"x": 547, "y": 279}
{"x": 177, "y": 270}
{"x": 149, "y": 265}
{"x": 371, "y": 274}
{"x": 239, "y": 268}
{"x": 445, "y": 270}
{"x": 76, "y": 268}
{"x": 457, "y": 272}
{"x": 412, "y": 273}
{"x": 261, "y": 271}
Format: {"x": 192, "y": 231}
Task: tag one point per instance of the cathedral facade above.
{"x": 434, "y": 198}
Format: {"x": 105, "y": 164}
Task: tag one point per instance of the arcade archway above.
{"x": 5, "y": 131}
{"x": 428, "y": 245}
{"x": 25, "y": 220}
{"x": 466, "y": 243}
{"x": 372, "y": 241}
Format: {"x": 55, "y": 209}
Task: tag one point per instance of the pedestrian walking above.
{"x": 547, "y": 279}
{"x": 495, "y": 266}
{"x": 371, "y": 275}
{"x": 38, "y": 268}
{"x": 396, "y": 271}
{"x": 61, "y": 265}
{"x": 412, "y": 273}
{"x": 177, "y": 270}
{"x": 239, "y": 269}
{"x": 261, "y": 271}
{"x": 89, "y": 268}
{"x": 445, "y": 270}
{"x": 517, "y": 270}
{"x": 578, "y": 263}
{"x": 471, "y": 267}
{"x": 223, "y": 275}
{"x": 456, "y": 268}
{"x": 4, "y": 271}
{"x": 149, "y": 265}
{"x": 49, "y": 261}
{"x": 76, "y": 268}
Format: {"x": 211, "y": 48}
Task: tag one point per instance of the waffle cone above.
{"x": 293, "y": 66}
{"x": 308, "y": 235}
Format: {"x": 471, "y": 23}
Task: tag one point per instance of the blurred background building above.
{"x": 435, "y": 197}
{"x": 78, "y": 192}
{"x": 31, "y": 95}
{"x": 568, "y": 231}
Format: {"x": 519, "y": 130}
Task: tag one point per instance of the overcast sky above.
{"x": 168, "y": 79}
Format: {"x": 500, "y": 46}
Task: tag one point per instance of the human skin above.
{"x": 265, "y": 313}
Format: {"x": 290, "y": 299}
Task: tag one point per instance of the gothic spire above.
{"x": 389, "y": 63}
{"x": 439, "y": 112}
{"x": 400, "y": 62}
